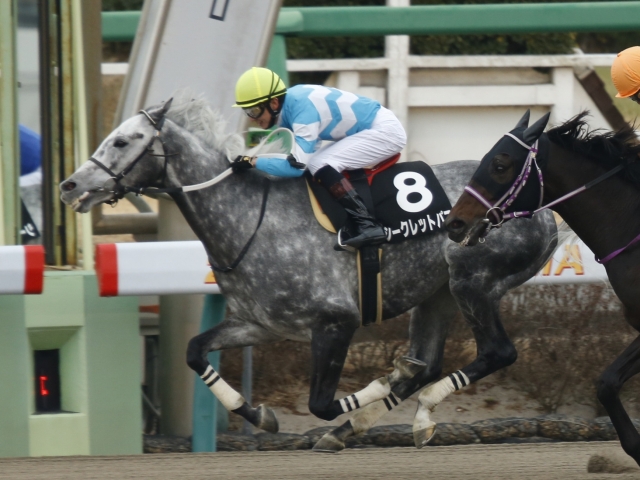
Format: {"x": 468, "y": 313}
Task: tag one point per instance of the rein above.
{"x": 519, "y": 183}
{"x": 120, "y": 190}
{"x": 245, "y": 249}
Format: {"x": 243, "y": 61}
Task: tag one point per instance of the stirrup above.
{"x": 338, "y": 247}
{"x": 387, "y": 237}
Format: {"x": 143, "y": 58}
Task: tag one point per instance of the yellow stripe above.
{"x": 317, "y": 211}
{"x": 255, "y": 77}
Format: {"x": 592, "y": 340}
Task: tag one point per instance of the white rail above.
{"x": 21, "y": 269}
{"x": 162, "y": 268}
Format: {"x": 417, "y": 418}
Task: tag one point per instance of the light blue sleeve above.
{"x": 278, "y": 167}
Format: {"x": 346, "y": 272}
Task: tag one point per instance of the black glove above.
{"x": 241, "y": 163}
{"x": 294, "y": 163}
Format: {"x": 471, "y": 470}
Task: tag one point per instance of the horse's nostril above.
{"x": 68, "y": 186}
{"x": 455, "y": 225}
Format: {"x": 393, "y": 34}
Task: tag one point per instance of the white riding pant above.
{"x": 385, "y": 138}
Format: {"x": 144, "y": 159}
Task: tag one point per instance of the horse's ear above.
{"x": 167, "y": 105}
{"x": 158, "y": 112}
{"x": 532, "y": 133}
{"x": 524, "y": 121}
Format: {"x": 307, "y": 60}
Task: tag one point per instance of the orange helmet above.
{"x": 625, "y": 72}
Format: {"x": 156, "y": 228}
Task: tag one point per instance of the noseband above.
{"x": 119, "y": 190}
{"x": 498, "y": 209}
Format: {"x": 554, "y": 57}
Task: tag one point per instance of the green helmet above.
{"x": 258, "y": 85}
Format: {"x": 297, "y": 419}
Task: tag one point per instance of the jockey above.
{"x": 362, "y": 134}
{"x": 625, "y": 73}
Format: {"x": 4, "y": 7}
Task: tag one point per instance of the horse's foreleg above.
{"x": 495, "y": 351}
{"x": 329, "y": 345}
{"x": 423, "y": 426}
{"x": 608, "y": 386}
{"x": 405, "y": 368}
{"x": 229, "y": 334}
{"x": 428, "y": 329}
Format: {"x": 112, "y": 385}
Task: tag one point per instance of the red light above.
{"x": 43, "y": 389}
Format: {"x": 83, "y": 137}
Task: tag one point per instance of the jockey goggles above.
{"x": 255, "y": 111}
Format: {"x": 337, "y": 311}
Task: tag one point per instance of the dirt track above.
{"x": 564, "y": 461}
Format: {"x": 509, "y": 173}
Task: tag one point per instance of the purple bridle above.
{"x": 498, "y": 209}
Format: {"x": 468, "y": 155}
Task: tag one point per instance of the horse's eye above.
{"x": 501, "y": 165}
{"x": 119, "y": 143}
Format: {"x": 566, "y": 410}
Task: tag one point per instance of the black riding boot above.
{"x": 368, "y": 230}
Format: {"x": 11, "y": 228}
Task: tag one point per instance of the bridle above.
{"x": 498, "y": 209}
{"x": 119, "y": 190}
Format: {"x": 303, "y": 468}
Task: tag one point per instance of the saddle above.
{"x": 405, "y": 197}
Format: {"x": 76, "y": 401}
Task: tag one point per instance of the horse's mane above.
{"x": 605, "y": 148}
{"x": 193, "y": 113}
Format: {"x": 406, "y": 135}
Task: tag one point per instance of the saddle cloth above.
{"x": 405, "y": 197}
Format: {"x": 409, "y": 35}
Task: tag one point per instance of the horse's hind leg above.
{"x": 330, "y": 342}
{"x": 609, "y": 384}
{"x": 494, "y": 351}
{"x": 230, "y": 334}
{"x": 430, "y": 322}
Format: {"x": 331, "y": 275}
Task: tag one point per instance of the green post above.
{"x": 277, "y": 60}
{"x": 99, "y": 365}
{"x": 205, "y": 405}
{"x": 430, "y": 19}
{"x": 15, "y": 393}
{"x": 9, "y": 142}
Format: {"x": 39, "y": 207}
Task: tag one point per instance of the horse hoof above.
{"x": 424, "y": 436}
{"x": 328, "y": 444}
{"x": 267, "y": 420}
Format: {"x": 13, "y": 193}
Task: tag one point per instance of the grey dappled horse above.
{"x": 291, "y": 284}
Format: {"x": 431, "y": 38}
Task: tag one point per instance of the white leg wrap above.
{"x": 229, "y": 398}
{"x": 431, "y": 396}
{"x": 459, "y": 379}
{"x": 376, "y": 390}
{"x": 366, "y": 418}
{"x": 435, "y": 393}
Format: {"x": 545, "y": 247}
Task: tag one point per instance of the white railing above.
{"x": 437, "y": 97}
{"x": 556, "y": 95}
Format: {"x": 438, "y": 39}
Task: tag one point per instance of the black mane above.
{"x": 606, "y": 148}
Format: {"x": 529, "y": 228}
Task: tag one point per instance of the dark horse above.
{"x": 291, "y": 284}
{"x": 605, "y": 215}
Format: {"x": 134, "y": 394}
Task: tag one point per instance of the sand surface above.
{"x": 565, "y": 461}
